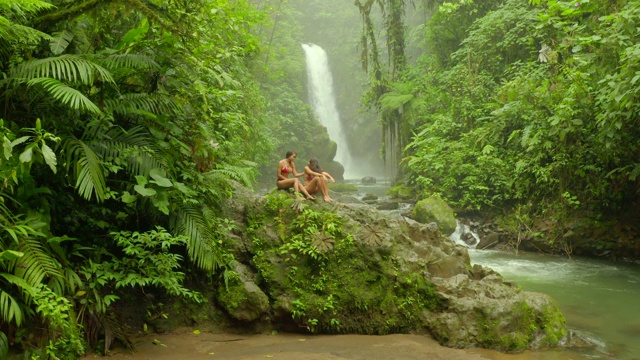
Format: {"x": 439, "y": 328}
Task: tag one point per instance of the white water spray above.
{"x": 323, "y": 102}
{"x": 463, "y": 231}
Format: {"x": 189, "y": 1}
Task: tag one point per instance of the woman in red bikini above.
{"x": 317, "y": 179}
{"x": 286, "y": 166}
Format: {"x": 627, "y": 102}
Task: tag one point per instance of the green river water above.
{"x": 600, "y": 300}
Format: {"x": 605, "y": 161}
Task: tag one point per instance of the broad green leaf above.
{"x": 141, "y": 180}
{"x": 49, "y": 157}
{"x": 20, "y": 140}
{"x": 180, "y": 186}
{"x": 60, "y": 41}
{"x": 161, "y": 202}
{"x": 128, "y": 198}
{"x": 140, "y": 189}
{"x": 26, "y": 155}
{"x": 158, "y": 175}
{"x": 7, "y": 147}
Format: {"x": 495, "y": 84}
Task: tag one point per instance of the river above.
{"x": 600, "y": 299}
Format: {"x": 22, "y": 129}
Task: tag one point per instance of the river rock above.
{"x": 369, "y": 197}
{"x": 241, "y": 297}
{"x": 348, "y": 268}
{"x": 434, "y": 209}
{"x": 368, "y": 180}
{"x": 488, "y": 241}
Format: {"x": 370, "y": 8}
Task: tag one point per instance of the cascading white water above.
{"x": 463, "y": 231}
{"x": 323, "y": 102}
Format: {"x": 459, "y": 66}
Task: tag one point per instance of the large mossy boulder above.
{"x": 240, "y": 296}
{"x": 434, "y": 209}
{"x": 348, "y": 268}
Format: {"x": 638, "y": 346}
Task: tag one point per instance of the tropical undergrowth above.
{"x": 524, "y": 106}
{"x": 122, "y": 125}
{"x": 325, "y": 279}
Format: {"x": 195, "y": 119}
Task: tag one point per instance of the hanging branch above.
{"x": 393, "y": 13}
{"x": 68, "y": 13}
{"x": 47, "y": 21}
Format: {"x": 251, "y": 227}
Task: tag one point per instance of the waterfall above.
{"x": 323, "y": 102}
{"x": 464, "y": 236}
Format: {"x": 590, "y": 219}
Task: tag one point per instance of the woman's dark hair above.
{"x": 289, "y": 153}
{"x": 314, "y": 165}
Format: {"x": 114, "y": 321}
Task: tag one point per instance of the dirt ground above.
{"x": 186, "y": 344}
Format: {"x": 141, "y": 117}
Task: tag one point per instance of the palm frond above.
{"x": 19, "y": 282}
{"x": 15, "y": 226}
{"x": 135, "y": 145}
{"x": 88, "y": 170}
{"x": 10, "y": 309}
{"x": 4, "y": 346}
{"x": 23, "y": 7}
{"x": 243, "y": 174}
{"x": 12, "y": 32}
{"x": 190, "y": 222}
{"x": 130, "y": 61}
{"x": 64, "y": 67}
{"x": 60, "y": 41}
{"x": 69, "y": 283}
{"x": 67, "y": 95}
{"x": 133, "y": 103}
{"x": 36, "y": 264}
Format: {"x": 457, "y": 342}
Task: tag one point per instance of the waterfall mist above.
{"x": 323, "y": 102}
{"x": 322, "y": 99}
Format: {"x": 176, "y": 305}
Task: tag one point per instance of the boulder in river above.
{"x": 348, "y": 268}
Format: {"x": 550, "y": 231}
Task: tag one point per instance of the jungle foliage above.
{"x": 521, "y": 103}
{"x": 123, "y": 123}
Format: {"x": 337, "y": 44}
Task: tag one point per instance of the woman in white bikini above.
{"x": 317, "y": 179}
{"x": 287, "y": 166}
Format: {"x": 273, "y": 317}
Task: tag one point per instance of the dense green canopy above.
{"x": 123, "y": 122}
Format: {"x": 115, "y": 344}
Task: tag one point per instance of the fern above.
{"x": 64, "y": 67}
{"x": 133, "y": 103}
{"x": 23, "y": 7}
{"x": 67, "y": 95}
{"x": 88, "y": 170}
{"x": 190, "y": 222}
{"x": 14, "y": 32}
{"x": 130, "y": 61}
{"x": 60, "y": 41}
{"x": 225, "y": 172}
{"x": 135, "y": 145}
{"x": 36, "y": 264}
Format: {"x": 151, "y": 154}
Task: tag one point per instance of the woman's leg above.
{"x": 325, "y": 189}
{"x": 286, "y": 183}
{"x": 312, "y": 186}
{"x": 298, "y": 187}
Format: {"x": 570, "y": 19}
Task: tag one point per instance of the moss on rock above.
{"x": 401, "y": 192}
{"x": 346, "y": 268}
{"x": 434, "y": 209}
